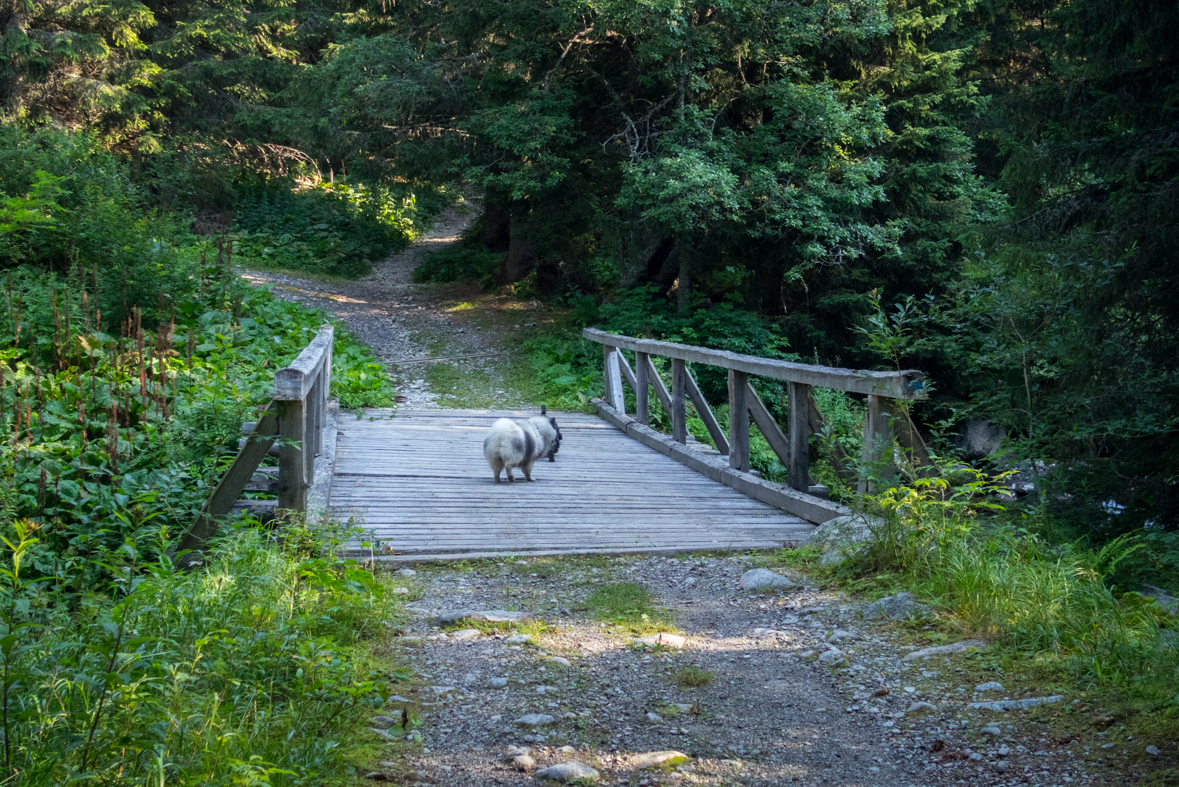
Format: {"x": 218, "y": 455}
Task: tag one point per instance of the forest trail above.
{"x": 798, "y": 687}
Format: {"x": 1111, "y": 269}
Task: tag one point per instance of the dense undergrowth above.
{"x": 130, "y": 353}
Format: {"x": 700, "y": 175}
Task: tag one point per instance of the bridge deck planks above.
{"x": 418, "y": 481}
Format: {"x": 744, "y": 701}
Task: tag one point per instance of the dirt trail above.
{"x": 776, "y": 710}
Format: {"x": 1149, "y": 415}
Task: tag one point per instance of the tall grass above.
{"x": 1055, "y": 602}
{"x": 250, "y": 670}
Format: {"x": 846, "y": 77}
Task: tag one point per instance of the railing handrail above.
{"x": 297, "y": 413}
{"x": 744, "y": 402}
{"x": 907, "y": 384}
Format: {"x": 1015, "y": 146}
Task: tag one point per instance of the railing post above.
{"x": 679, "y": 415}
{"x": 799, "y": 428}
{"x": 614, "y": 393}
{"x": 642, "y": 385}
{"x": 292, "y": 459}
{"x": 877, "y": 441}
{"x": 738, "y": 421}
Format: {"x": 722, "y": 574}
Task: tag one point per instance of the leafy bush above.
{"x": 332, "y": 228}
{"x": 95, "y": 419}
{"x": 250, "y": 670}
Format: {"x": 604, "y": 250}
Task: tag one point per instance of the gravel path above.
{"x": 774, "y": 713}
{"x": 399, "y": 319}
{"x": 803, "y": 689}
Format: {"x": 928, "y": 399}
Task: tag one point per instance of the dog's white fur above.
{"x": 514, "y": 444}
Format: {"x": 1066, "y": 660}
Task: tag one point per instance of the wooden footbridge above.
{"x": 417, "y": 483}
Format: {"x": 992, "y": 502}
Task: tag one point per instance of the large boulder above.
{"x": 902, "y": 606}
{"x": 843, "y": 537}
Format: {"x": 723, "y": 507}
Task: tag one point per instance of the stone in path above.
{"x": 489, "y": 616}
{"x": 567, "y": 772}
{"x": 534, "y": 720}
{"x": 898, "y": 607}
{"x": 1030, "y": 702}
{"x": 764, "y": 579}
{"x": 956, "y": 647}
{"x": 662, "y": 638}
{"x": 654, "y": 759}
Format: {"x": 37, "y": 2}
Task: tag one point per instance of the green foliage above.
{"x": 331, "y": 228}
{"x": 252, "y": 665}
{"x": 459, "y": 262}
{"x": 693, "y": 677}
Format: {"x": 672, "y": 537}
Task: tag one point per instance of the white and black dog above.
{"x": 520, "y": 443}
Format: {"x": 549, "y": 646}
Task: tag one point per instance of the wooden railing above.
{"x": 792, "y": 447}
{"x": 296, "y": 418}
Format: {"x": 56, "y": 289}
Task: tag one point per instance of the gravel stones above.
{"x": 488, "y": 616}
{"x": 534, "y": 720}
{"x": 764, "y": 579}
{"x": 1002, "y": 705}
{"x": 567, "y": 772}
{"x": 941, "y": 650}
{"x": 902, "y": 606}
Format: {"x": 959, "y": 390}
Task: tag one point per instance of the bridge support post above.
{"x": 738, "y": 421}
{"x": 800, "y": 433}
{"x": 679, "y": 389}
{"x": 642, "y": 386}
{"x": 877, "y": 455}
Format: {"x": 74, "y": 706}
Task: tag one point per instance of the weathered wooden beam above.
{"x": 614, "y": 393}
{"x": 292, "y": 383}
{"x": 877, "y": 454}
{"x": 800, "y": 434}
{"x": 657, "y": 383}
{"x": 738, "y": 420}
{"x": 898, "y": 385}
{"x": 915, "y": 449}
{"x": 769, "y": 427}
{"x": 705, "y": 413}
{"x": 229, "y": 489}
{"x": 293, "y": 471}
{"x": 679, "y": 415}
{"x": 642, "y": 388}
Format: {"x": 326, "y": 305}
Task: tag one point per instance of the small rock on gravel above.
{"x": 654, "y": 759}
{"x": 1153, "y": 751}
{"x": 518, "y": 639}
{"x": 898, "y": 607}
{"x": 833, "y": 655}
{"x": 939, "y": 650}
{"x": 990, "y": 685}
{"x": 490, "y": 616}
{"x": 1030, "y": 702}
{"x": 654, "y": 717}
{"x": 567, "y": 772}
{"x": 534, "y": 720}
{"x": 921, "y": 707}
{"x": 992, "y": 730}
{"x": 497, "y": 683}
{"x": 564, "y": 662}
{"x": 516, "y": 751}
{"x": 383, "y": 721}
{"x": 405, "y": 572}
{"x": 662, "y": 638}
{"x": 466, "y": 634}
{"x": 764, "y": 579}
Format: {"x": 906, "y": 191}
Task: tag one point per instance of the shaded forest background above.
{"x": 987, "y": 191}
{"x": 1002, "y": 175}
